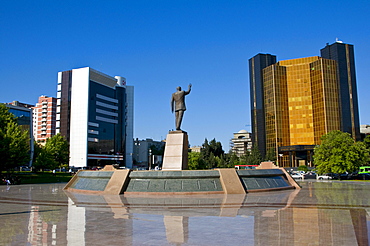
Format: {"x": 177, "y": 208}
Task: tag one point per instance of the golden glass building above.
{"x": 301, "y": 99}
{"x": 295, "y": 102}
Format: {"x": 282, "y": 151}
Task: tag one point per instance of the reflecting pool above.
{"x": 321, "y": 213}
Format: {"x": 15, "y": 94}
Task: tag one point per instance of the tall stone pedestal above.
{"x": 176, "y": 151}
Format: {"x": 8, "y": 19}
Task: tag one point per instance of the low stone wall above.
{"x": 264, "y": 179}
{"x": 175, "y": 181}
{"x": 218, "y": 181}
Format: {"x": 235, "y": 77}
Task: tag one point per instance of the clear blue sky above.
{"x": 159, "y": 45}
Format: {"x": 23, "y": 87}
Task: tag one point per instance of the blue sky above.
{"x": 159, "y": 45}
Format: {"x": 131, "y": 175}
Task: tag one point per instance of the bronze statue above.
{"x": 178, "y": 104}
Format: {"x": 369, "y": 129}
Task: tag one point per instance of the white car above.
{"x": 324, "y": 176}
{"x": 297, "y": 176}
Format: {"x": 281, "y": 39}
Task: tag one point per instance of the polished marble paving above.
{"x": 321, "y": 213}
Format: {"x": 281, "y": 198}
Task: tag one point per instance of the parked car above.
{"x": 328, "y": 176}
{"x": 361, "y": 176}
{"x": 310, "y": 175}
{"x": 352, "y": 175}
{"x": 297, "y": 175}
{"x": 343, "y": 176}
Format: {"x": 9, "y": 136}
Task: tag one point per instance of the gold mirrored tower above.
{"x": 301, "y": 99}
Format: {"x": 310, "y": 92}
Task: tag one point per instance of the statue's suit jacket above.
{"x": 179, "y": 99}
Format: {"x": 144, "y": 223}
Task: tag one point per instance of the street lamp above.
{"x": 150, "y": 157}
{"x": 280, "y": 157}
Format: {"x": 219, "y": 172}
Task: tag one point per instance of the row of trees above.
{"x": 213, "y": 156}
{"x": 338, "y": 153}
{"x": 15, "y": 146}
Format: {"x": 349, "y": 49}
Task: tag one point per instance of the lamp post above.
{"x": 280, "y": 157}
{"x": 150, "y": 158}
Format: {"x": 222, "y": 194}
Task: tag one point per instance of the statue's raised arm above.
{"x": 189, "y": 89}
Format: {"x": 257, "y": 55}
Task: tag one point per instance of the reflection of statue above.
{"x": 178, "y": 104}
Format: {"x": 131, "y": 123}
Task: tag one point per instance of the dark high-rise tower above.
{"x": 256, "y": 65}
{"x": 343, "y": 54}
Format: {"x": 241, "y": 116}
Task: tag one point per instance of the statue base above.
{"x": 176, "y": 151}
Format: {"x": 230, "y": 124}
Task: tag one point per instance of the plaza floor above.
{"x": 321, "y": 213}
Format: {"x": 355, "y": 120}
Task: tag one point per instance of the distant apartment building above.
{"x": 145, "y": 153}
{"x": 44, "y": 118}
{"x": 95, "y": 114}
{"x": 23, "y": 112}
{"x": 364, "y": 131}
{"x": 196, "y": 149}
{"x": 241, "y": 143}
{"x": 294, "y": 102}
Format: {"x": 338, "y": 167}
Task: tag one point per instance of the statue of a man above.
{"x": 178, "y": 105}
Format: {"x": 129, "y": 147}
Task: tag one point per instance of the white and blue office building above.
{"x": 95, "y": 114}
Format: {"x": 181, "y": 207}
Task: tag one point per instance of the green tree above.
{"x": 37, "y": 148}
{"x": 255, "y": 157}
{"x": 270, "y": 155}
{"x": 216, "y": 148}
{"x": 339, "y": 153}
{"x": 233, "y": 159}
{"x": 212, "y": 154}
{"x": 303, "y": 168}
{"x": 14, "y": 143}
{"x": 45, "y": 160}
{"x": 193, "y": 161}
{"x": 367, "y": 141}
{"x": 58, "y": 148}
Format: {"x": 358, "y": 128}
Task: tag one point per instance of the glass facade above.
{"x": 343, "y": 54}
{"x": 106, "y": 130}
{"x": 23, "y": 117}
{"x": 256, "y": 65}
{"x": 325, "y": 99}
{"x": 276, "y": 107}
{"x": 24, "y": 120}
{"x": 92, "y": 114}
{"x": 295, "y": 102}
{"x": 301, "y": 99}
{"x": 64, "y": 109}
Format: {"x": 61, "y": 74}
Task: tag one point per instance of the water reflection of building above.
{"x": 276, "y": 218}
{"x": 45, "y": 227}
{"x": 279, "y": 223}
{"x": 112, "y": 223}
{"x": 311, "y": 226}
